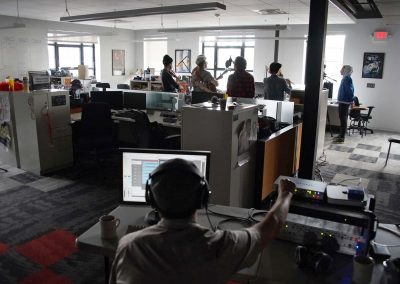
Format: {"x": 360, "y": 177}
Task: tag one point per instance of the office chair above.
{"x": 365, "y": 117}
{"x": 259, "y": 89}
{"x": 141, "y": 133}
{"x": 123, "y": 86}
{"x": 355, "y": 118}
{"x": 96, "y": 130}
{"x": 104, "y": 86}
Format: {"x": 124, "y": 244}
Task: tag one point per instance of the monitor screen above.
{"x": 135, "y": 100}
{"x": 137, "y": 164}
{"x": 114, "y": 98}
{"x": 161, "y": 100}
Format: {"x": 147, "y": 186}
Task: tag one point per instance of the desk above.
{"x": 275, "y": 265}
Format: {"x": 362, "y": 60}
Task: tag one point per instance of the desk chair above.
{"x": 141, "y": 133}
{"x": 365, "y": 117}
{"x": 355, "y": 121}
{"x": 104, "y": 86}
{"x": 391, "y": 140}
{"x": 123, "y": 86}
{"x": 96, "y": 131}
{"x": 259, "y": 89}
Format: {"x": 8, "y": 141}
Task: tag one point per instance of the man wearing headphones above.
{"x": 178, "y": 249}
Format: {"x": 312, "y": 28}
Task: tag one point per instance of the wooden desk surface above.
{"x": 275, "y": 265}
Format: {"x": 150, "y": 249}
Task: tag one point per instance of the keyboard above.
{"x": 170, "y": 119}
{"x": 168, "y": 114}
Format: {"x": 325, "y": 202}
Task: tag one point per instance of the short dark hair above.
{"x": 176, "y": 191}
{"x": 240, "y": 63}
{"x": 274, "y": 67}
{"x": 167, "y": 59}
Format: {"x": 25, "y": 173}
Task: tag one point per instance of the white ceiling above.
{"x": 390, "y": 10}
{"x": 238, "y": 12}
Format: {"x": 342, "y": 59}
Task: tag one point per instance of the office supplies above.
{"x": 137, "y": 164}
{"x": 306, "y": 189}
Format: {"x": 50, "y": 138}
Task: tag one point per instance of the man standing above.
{"x": 345, "y": 99}
{"x": 169, "y": 84}
{"x": 275, "y": 85}
{"x": 241, "y": 82}
{"x": 178, "y": 249}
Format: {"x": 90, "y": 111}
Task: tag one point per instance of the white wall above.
{"x": 25, "y": 49}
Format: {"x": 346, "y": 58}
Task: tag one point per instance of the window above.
{"x": 69, "y": 55}
{"x": 334, "y": 50}
{"x": 154, "y": 52}
{"x": 218, "y": 52}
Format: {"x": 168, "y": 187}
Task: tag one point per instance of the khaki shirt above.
{"x": 182, "y": 251}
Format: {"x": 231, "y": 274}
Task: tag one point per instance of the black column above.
{"x": 276, "y": 51}
{"x": 313, "y": 82}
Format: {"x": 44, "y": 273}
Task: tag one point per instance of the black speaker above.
{"x": 317, "y": 262}
{"x": 178, "y": 166}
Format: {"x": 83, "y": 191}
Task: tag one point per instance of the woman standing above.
{"x": 345, "y": 99}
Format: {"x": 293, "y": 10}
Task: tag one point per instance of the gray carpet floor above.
{"x": 361, "y": 160}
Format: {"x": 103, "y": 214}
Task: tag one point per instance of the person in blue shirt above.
{"x": 345, "y": 99}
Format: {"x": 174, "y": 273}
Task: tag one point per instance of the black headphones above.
{"x": 174, "y": 166}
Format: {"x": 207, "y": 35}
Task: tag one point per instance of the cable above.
{"x": 390, "y": 231}
{"x": 340, "y": 182}
{"x": 209, "y": 220}
{"x": 384, "y": 245}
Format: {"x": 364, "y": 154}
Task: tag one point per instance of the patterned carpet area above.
{"x": 362, "y": 160}
{"x": 40, "y": 218}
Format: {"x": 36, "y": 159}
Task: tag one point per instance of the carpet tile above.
{"x": 363, "y": 158}
{"x": 3, "y": 248}
{"x": 391, "y": 156}
{"x": 369, "y": 147}
{"x": 45, "y": 276}
{"x": 8, "y": 183}
{"x": 50, "y": 248}
{"x": 14, "y": 267}
{"x": 341, "y": 148}
{"x": 26, "y": 177}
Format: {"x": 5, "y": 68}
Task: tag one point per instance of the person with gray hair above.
{"x": 202, "y": 80}
{"x": 345, "y": 99}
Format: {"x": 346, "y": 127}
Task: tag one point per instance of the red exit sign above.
{"x": 381, "y": 35}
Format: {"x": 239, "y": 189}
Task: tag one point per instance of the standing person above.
{"x": 202, "y": 80}
{"x": 169, "y": 84}
{"x": 241, "y": 82}
{"x": 180, "y": 250}
{"x": 275, "y": 86}
{"x": 345, "y": 99}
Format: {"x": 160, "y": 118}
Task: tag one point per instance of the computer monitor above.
{"x": 161, "y": 100}
{"x": 113, "y": 98}
{"x": 137, "y": 164}
{"x": 202, "y": 97}
{"x": 135, "y": 100}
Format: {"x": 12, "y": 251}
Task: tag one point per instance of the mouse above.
{"x": 152, "y": 218}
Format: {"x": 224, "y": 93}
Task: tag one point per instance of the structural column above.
{"x": 313, "y": 82}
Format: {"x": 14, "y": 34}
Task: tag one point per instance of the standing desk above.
{"x": 276, "y": 263}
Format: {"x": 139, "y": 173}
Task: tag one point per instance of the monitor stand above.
{"x": 152, "y": 218}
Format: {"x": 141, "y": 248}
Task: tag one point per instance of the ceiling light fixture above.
{"x": 224, "y": 28}
{"x": 178, "y": 9}
{"x": 17, "y": 23}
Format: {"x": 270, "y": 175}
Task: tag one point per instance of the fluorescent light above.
{"x": 224, "y": 28}
{"x": 178, "y": 9}
{"x": 14, "y": 26}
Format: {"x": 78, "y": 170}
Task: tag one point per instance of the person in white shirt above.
{"x": 178, "y": 249}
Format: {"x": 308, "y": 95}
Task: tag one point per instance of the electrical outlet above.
{"x": 370, "y": 85}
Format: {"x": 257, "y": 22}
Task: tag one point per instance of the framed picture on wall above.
{"x": 182, "y": 60}
{"x": 373, "y": 65}
{"x": 118, "y": 62}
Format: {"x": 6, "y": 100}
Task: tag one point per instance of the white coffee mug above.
{"x": 108, "y": 226}
{"x": 363, "y": 267}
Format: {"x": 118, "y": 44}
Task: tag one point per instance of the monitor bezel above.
{"x": 160, "y": 151}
